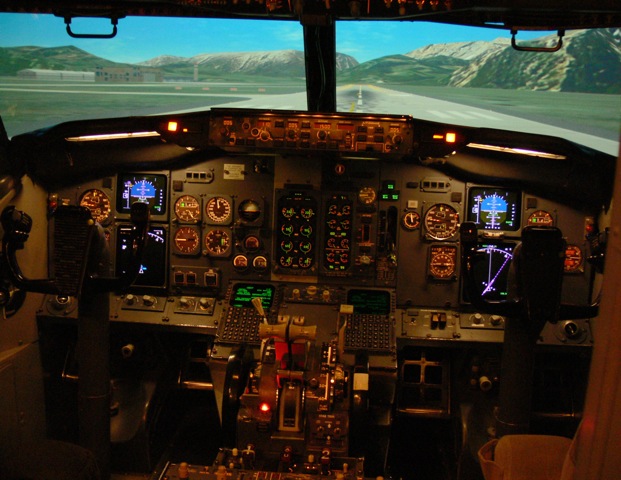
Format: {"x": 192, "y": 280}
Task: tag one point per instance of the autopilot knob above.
{"x": 476, "y": 319}
{"x": 205, "y": 303}
{"x": 130, "y": 299}
{"x": 185, "y": 303}
{"x": 148, "y": 300}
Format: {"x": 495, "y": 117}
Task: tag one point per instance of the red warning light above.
{"x": 264, "y": 407}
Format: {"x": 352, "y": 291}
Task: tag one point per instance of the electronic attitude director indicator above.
{"x": 145, "y": 188}
{"x": 494, "y": 208}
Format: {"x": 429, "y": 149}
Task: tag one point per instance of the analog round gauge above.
{"x": 252, "y": 243}
{"x": 540, "y": 218}
{"x": 249, "y": 210}
{"x": 260, "y": 263}
{"x": 240, "y": 262}
{"x": 442, "y": 262}
{"x": 98, "y": 203}
{"x": 367, "y": 195}
{"x": 217, "y": 242}
{"x": 410, "y": 221}
{"x": 441, "y": 221}
{"x": 573, "y": 258}
{"x": 218, "y": 210}
{"x": 187, "y": 241}
{"x": 188, "y": 209}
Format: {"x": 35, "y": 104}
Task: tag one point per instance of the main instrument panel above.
{"x": 316, "y": 205}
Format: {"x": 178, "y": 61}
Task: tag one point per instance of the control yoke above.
{"x": 538, "y": 265}
{"x": 74, "y": 243}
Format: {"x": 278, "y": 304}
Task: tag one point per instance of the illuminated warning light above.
{"x": 173, "y": 126}
{"x": 450, "y": 137}
{"x": 264, "y": 407}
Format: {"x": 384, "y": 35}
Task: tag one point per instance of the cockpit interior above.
{"x": 304, "y": 275}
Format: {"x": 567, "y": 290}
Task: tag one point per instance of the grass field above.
{"x": 597, "y": 114}
{"x": 28, "y": 105}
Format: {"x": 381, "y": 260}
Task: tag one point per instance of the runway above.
{"x": 375, "y": 99}
{"x": 350, "y": 98}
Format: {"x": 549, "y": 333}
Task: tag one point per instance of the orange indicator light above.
{"x": 264, "y": 407}
{"x": 437, "y": 136}
{"x": 172, "y": 126}
{"x": 451, "y": 137}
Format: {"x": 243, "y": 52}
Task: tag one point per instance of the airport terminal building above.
{"x": 101, "y": 74}
{"x": 59, "y": 75}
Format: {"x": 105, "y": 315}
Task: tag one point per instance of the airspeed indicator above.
{"x": 441, "y": 221}
{"x": 218, "y": 210}
{"x": 98, "y": 203}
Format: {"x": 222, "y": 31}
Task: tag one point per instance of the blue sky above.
{"x": 141, "y": 39}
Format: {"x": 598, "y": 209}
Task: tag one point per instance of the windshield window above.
{"x": 472, "y": 76}
{"x": 444, "y": 73}
{"x": 152, "y": 66}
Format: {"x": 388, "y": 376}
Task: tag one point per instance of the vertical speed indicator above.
{"x": 442, "y": 263}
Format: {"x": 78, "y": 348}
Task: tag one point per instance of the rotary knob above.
{"x": 148, "y": 300}
{"x": 130, "y": 299}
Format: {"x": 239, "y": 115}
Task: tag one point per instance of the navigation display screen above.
{"x": 494, "y": 208}
{"x": 243, "y": 293}
{"x": 153, "y": 267}
{"x": 493, "y": 274}
{"x": 370, "y": 302}
{"x": 146, "y": 188}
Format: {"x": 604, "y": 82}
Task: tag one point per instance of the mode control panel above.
{"x": 364, "y": 134}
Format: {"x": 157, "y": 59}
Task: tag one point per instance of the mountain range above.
{"x": 483, "y": 64}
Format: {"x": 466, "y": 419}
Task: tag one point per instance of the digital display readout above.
{"x": 494, "y": 208}
{"x": 370, "y": 302}
{"x": 146, "y": 188}
{"x": 243, "y": 293}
